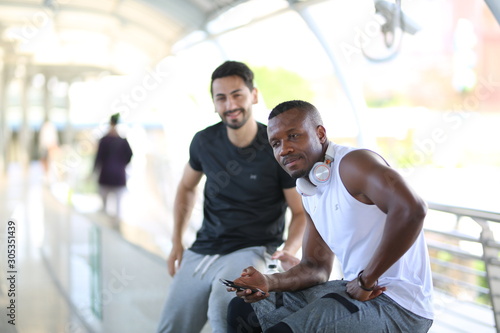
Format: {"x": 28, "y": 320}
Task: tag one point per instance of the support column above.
{"x": 492, "y": 263}
{"x": 68, "y": 129}
{"x": 5, "y": 131}
{"x": 3, "y": 111}
{"x": 357, "y": 102}
{"x": 24, "y": 131}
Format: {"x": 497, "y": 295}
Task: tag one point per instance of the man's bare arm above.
{"x": 314, "y": 268}
{"x": 183, "y": 207}
{"x": 297, "y": 224}
{"x": 368, "y": 178}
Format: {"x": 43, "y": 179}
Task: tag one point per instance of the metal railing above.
{"x": 465, "y": 256}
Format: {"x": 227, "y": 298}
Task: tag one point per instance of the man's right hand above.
{"x": 175, "y": 259}
{"x": 253, "y": 279}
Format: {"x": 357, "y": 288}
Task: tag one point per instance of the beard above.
{"x": 296, "y": 174}
{"x": 235, "y": 123}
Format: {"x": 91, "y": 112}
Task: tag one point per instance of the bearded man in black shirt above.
{"x": 246, "y": 196}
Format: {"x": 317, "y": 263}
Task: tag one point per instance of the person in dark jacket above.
{"x": 113, "y": 156}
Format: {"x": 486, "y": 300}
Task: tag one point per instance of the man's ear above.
{"x": 255, "y": 96}
{"x": 321, "y": 132}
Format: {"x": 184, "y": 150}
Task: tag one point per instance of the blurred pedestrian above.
{"x": 113, "y": 156}
{"x": 48, "y": 142}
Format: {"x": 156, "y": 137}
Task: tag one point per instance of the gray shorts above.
{"x": 327, "y": 308}
{"x": 196, "y": 295}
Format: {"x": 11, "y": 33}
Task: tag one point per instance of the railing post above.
{"x": 492, "y": 265}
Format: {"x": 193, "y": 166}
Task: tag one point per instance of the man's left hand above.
{"x": 286, "y": 259}
{"x": 354, "y": 290}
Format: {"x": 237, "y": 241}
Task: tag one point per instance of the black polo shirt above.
{"x": 244, "y": 203}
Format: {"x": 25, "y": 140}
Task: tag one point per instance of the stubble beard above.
{"x": 236, "y": 124}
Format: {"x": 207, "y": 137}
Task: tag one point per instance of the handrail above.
{"x": 463, "y": 211}
{"x": 453, "y": 245}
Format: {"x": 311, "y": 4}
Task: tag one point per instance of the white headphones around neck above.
{"x": 319, "y": 174}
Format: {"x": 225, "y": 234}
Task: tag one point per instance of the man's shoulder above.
{"x": 261, "y": 138}
{"x": 215, "y": 128}
{"x": 109, "y": 138}
{"x": 356, "y": 153}
{"x": 342, "y": 150}
{"x": 210, "y": 132}
{"x": 261, "y": 126}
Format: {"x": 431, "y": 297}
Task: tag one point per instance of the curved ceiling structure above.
{"x": 98, "y": 33}
{"x": 111, "y": 35}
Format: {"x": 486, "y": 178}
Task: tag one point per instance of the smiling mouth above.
{"x": 233, "y": 113}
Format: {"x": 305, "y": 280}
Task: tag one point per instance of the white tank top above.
{"x": 353, "y": 231}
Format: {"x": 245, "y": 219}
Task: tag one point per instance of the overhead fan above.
{"x": 394, "y": 24}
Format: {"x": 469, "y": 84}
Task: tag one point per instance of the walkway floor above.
{"x": 39, "y": 304}
{"x": 74, "y": 271}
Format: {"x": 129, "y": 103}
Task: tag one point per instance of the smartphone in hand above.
{"x": 230, "y": 284}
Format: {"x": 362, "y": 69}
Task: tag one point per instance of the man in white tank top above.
{"x": 362, "y": 211}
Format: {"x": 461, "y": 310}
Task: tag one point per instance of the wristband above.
{"x": 362, "y": 286}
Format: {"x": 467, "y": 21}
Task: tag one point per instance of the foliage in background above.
{"x": 482, "y": 282}
{"x": 278, "y": 85}
{"x": 387, "y": 101}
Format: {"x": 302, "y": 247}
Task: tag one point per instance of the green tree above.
{"x": 278, "y": 85}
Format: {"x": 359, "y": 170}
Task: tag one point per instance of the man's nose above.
{"x": 231, "y": 104}
{"x": 286, "y": 149}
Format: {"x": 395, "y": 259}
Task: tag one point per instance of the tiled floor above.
{"x": 40, "y": 307}
{"x": 75, "y": 270}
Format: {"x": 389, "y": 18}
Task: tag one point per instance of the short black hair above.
{"x": 230, "y": 68}
{"x": 310, "y": 110}
{"x": 114, "y": 119}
